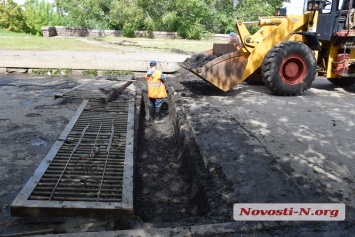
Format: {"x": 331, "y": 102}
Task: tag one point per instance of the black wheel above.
{"x": 344, "y": 81}
{"x": 255, "y": 78}
{"x": 289, "y": 68}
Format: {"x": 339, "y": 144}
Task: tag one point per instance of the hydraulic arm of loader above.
{"x": 234, "y": 66}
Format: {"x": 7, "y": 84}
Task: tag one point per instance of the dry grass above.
{"x": 40, "y": 43}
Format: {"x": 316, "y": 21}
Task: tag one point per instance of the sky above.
{"x": 294, "y": 7}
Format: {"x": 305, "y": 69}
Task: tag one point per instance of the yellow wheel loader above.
{"x": 287, "y": 52}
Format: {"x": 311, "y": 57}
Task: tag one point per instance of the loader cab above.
{"x": 333, "y": 17}
{"x": 344, "y": 16}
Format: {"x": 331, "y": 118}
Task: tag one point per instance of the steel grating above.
{"x": 89, "y": 170}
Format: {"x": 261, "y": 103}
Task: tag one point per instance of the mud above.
{"x": 167, "y": 190}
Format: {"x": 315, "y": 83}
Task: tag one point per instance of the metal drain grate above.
{"x": 89, "y": 170}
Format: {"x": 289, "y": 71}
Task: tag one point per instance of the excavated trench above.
{"x": 170, "y": 177}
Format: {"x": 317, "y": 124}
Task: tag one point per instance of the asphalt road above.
{"x": 271, "y": 149}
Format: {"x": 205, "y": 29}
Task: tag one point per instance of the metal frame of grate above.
{"x": 89, "y": 170}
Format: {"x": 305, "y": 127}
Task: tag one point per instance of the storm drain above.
{"x": 89, "y": 170}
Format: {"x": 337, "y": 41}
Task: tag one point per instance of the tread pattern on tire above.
{"x": 271, "y": 66}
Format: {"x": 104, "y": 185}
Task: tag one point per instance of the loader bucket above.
{"x": 225, "y": 71}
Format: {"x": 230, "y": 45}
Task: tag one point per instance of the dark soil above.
{"x": 172, "y": 185}
{"x": 162, "y": 185}
{"x": 161, "y": 189}
{"x": 198, "y": 60}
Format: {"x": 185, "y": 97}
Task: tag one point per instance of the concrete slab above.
{"x": 80, "y": 60}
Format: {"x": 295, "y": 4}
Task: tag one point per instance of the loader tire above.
{"x": 255, "y": 78}
{"x": 345, "y": 81}
{"x": 289, "y": 68}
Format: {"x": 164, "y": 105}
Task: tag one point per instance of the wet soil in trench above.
{"x": 162, "y": 189}
{"x": 162, "y": 186}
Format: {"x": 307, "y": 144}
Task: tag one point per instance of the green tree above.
{"x": 89, "y": 13}
{"x": 12, "y": 17}
{"x": 228, "y": 11}
{"x": 188, "y": 18}
{"x": 40, "y": 13}
{"x": 153, "y": 10}
{"x": 126, "y": 15}
{"x": 29, "y": 17}
{"x": 251, "y": 10}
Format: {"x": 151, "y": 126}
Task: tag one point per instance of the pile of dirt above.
{"x": 198, "y": 60}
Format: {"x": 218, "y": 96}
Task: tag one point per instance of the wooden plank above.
{"x": 117, "y": 91}
{"x": 71, "y": 209}
{"x": 74, "y": 88}
{"x": 127, "y": 186}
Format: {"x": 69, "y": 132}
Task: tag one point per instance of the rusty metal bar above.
{"x": 108, "y": 152}
{"x": 97, "y": 136}
{"x": 71, "y": 155}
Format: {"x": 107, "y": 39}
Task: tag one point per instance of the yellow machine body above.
{"x": 234, "y": 66}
